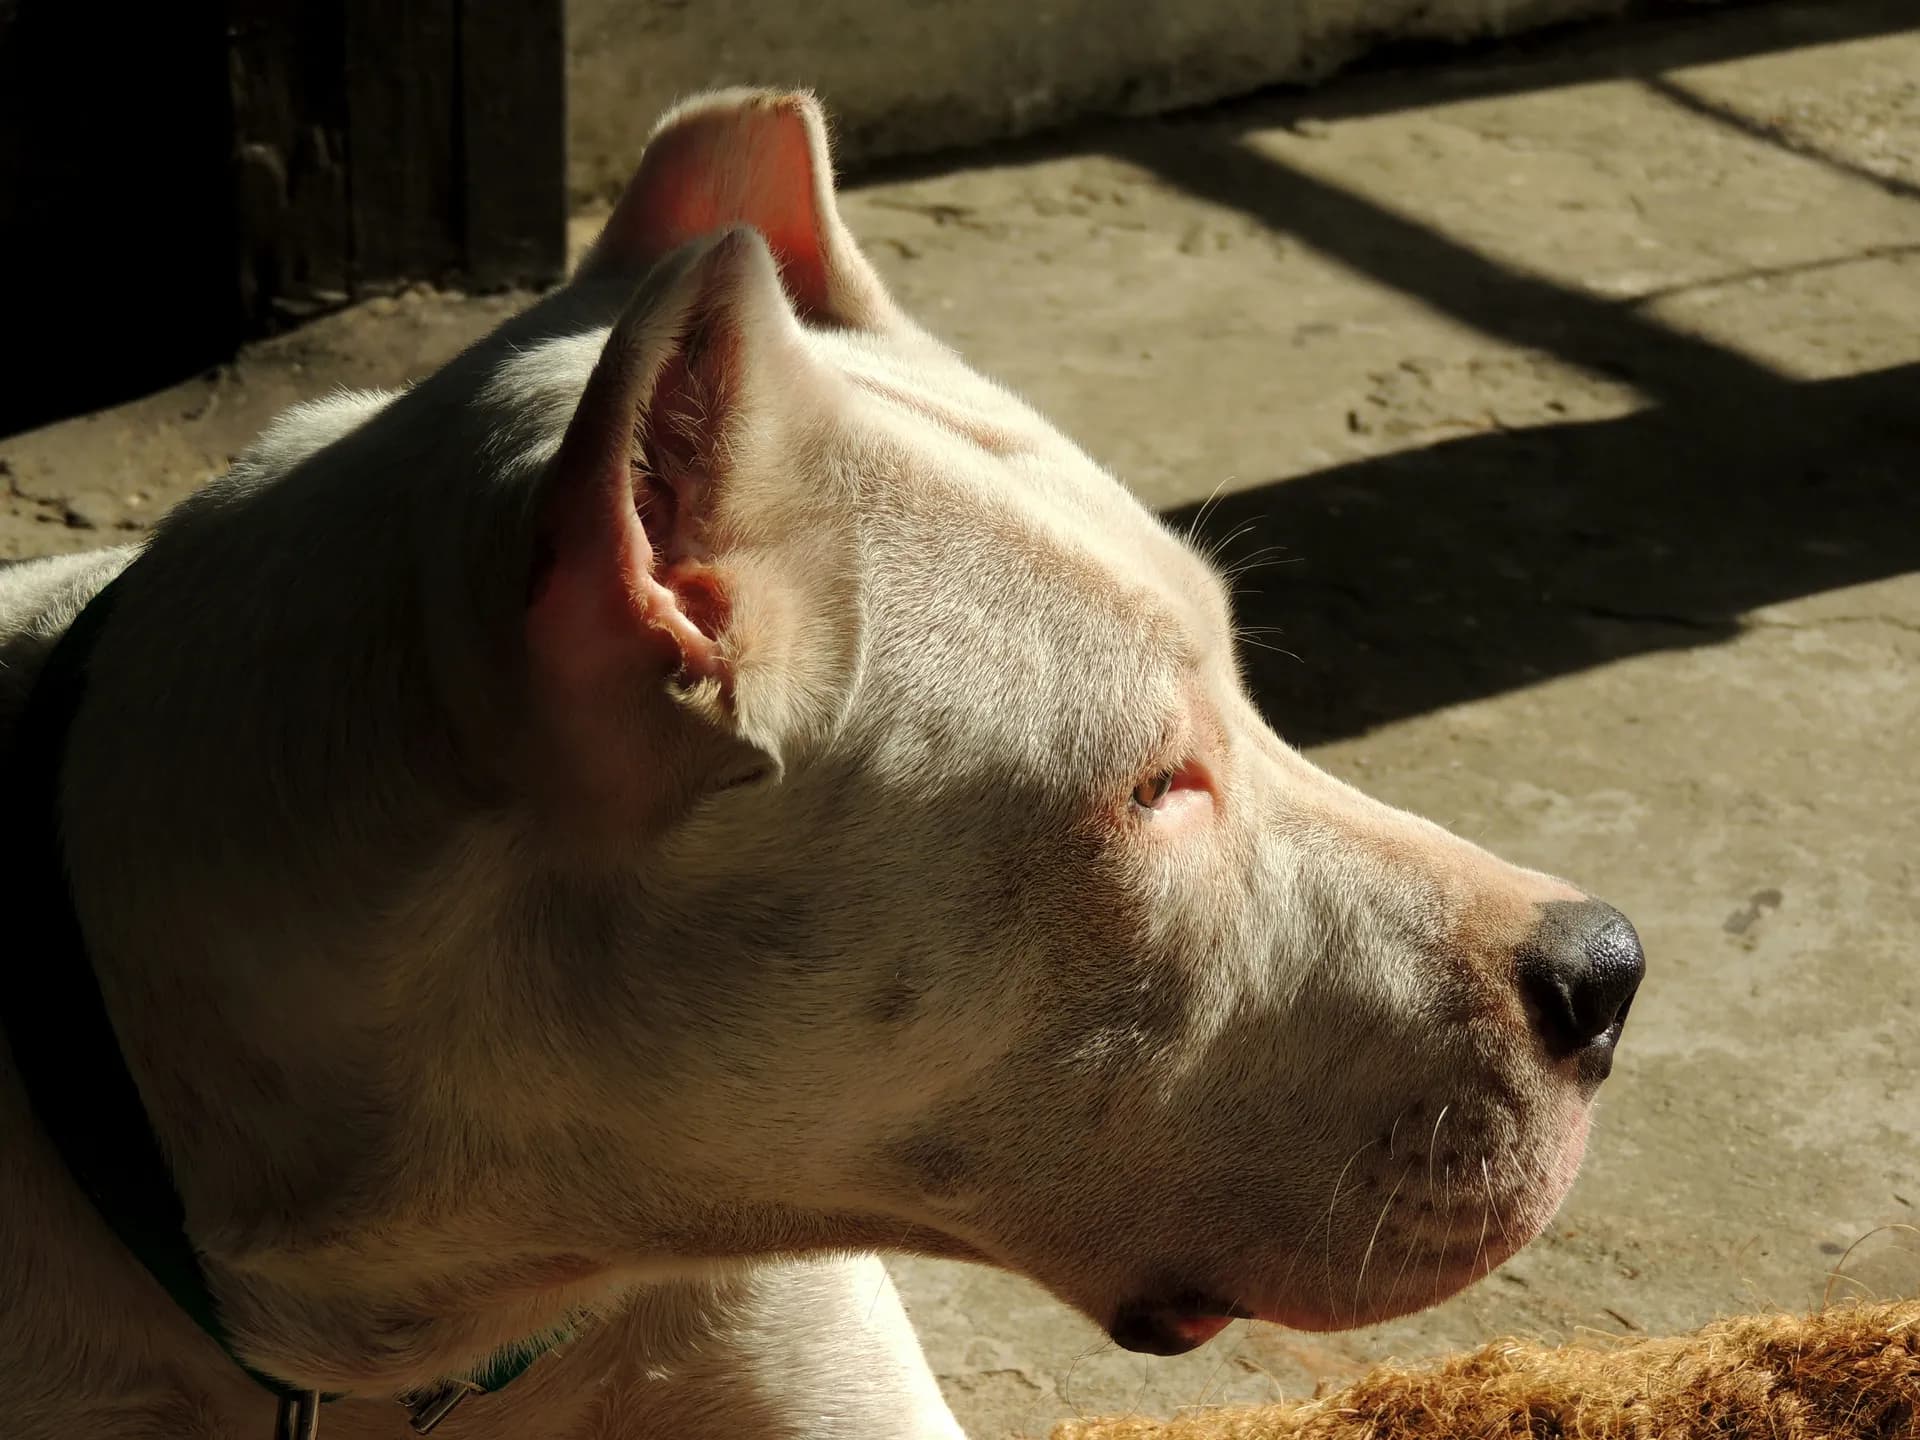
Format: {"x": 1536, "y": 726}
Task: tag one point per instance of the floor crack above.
{"x": 1895, "y": 621}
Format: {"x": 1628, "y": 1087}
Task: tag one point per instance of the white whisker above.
{"x": 1360, "y": 1279}
{"x": 1206, "y": 508}
{"x": 1332, "y": 1201}
{"x": 1486, "y": 1178}
{"x": 1433, "y": 1141}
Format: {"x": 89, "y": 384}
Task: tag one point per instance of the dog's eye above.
{"x": 1151, "y": 793}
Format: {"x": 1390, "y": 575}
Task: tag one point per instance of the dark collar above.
{"x": 68, "y": 1056}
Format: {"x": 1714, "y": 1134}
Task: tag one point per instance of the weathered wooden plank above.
{"x": 402, "y": 89}
{"x": 513, "y": 107}
{"x": 286, "y": 63}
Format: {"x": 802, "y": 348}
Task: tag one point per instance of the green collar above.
{"x": 69, "y": 1059}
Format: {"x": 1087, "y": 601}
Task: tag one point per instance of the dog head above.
{"x": 718, "y": 777}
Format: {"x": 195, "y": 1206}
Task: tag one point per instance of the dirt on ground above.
{"x": 1572, "y": 393}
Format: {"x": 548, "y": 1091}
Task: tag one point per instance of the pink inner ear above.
{"x": 595, "y": 558}
{"x": 746, "y": 165}
{"x": 620, "y": 574}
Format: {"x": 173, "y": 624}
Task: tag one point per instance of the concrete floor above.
{"x": 1581, "y": 384}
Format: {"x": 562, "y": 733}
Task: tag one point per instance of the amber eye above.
{"x": 1150, "y": 793}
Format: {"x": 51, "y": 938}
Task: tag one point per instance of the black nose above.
{"x": 1578, "y": 973}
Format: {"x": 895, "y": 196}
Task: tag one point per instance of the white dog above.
{"x": 701, "y": 787}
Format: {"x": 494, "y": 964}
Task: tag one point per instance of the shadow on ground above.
{"x": 1439, "y": 575}
{"x": 1435, "y": 576}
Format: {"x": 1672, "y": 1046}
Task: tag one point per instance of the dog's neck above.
{"x": 356, "y": 1235}
{"x": 395, "y": 1171}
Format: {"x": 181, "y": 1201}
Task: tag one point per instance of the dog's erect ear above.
{"x": 692, "y": 613}
{"x": 630, "y": 591}
{"x": 747, "y": 157}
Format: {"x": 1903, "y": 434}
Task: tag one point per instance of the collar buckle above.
{"x": 298, "y": 1417}
{"x": 428, "y": 1409}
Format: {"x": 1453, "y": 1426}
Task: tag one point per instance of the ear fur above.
{"x": 622, "y": 578}
{"x": 748, "y": 157}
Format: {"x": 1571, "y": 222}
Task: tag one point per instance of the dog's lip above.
{"x": 1174, "y": 1325}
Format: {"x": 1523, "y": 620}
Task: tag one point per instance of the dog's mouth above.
{"x": 1173, "y": 1323}
{"x": 1173, "y": 1327}
{"x": 1420, "y": 1245}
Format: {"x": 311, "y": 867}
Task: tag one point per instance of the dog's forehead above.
{"x": 1016, "y": 590}
{"x": 947, "y": 421}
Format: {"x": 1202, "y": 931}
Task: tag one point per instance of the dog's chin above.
{"x": 1178, "y": 1326}
{"x": 1177, "y": 1321}
{"x": 1174, "y": 1326}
